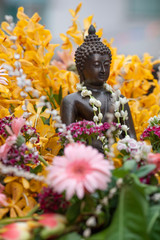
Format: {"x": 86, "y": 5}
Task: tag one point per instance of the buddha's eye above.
{"x": 96, "y": 64}
{"x": 106, "y": 63}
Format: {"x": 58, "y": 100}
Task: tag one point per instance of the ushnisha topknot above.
{"x": 91, "y": 45}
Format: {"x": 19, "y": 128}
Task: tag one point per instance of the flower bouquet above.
{"x": 80, "y": 193}
{"x": 152, "y": 133}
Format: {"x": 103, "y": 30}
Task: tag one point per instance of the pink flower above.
{"x": 66, "y": 60}
{"x": 16, "y": 126}
{"x": 15, "y": 231}
{"x": 154, "y": 158}
{"x": 81, "y": 169}
{"x": 48, "y": 220}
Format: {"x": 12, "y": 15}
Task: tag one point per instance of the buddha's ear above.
{"x": 81, "y": 75}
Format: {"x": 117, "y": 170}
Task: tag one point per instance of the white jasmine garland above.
{"x": 95, "y": 119}
{"x": 95, "y": 109}
{"x": 124, "y": 127}
{"x": 100, "y": 116}
{"x": 124, "y": 115}
{"x": 117, "y": 114}
{"x": 96, "y": 104}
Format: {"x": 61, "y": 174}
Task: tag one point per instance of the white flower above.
{"x": 13, "y": 38}
{"x": 16, "y": 56}
{"x": 26, "y": 114}
{"x": 35, "y": 93}
{"x": 17, "y": 64}
{"x": 86, "y": 93}
{"x": 112, "y": 192}
{"x": 95, "y": 109}
{"x": 28, "y": 89}
{"x": 92, "y": 101}
{"x": 91, "y": 222}
{"x": 42, "y": 98}
{"x": 97, "y": 103}
{"x": 24, "y": 108}
{"x": 100, "y": 116}
{"x": 124, "y": 128}
{"x": 108, "y": 87}
{"x": 124, "y": 114}
{"x": 8, "y": 18}
{"x": 95, "y": 119}
{"x": 87, "y": 233}
{"x": 105, "y": 201}
{"x": 23, "y": 94}
{"x": 119, "y": 182}
{"x": 33, "y": 140}
{"x": 123, "y": 100}
{"x": 117, "y": 105}
{"x": 98, "y": 209}
{"x": 28, "y": 82}
{"x": 79, "y": 86}
{"x": 156, "y": 197}
{"x": 30, "y": 131}
{"x": 118, "y": 93}
{"x": 117, "y": 115}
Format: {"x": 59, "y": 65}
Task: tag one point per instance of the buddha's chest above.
{"x": 85, "y": 111}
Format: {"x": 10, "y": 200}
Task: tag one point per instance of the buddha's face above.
{"x": 96, "y": 69}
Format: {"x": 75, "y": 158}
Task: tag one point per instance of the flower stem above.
{"x": 33, "y": 211}
{"x": 41, "y": 159}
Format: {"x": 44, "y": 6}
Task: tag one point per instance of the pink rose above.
{"x": 154, "y": 158}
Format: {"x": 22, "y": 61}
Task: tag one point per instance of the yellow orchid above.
{"x": 18, "y": 202}
{"x": 36, "y": 114}
{"x": 117, "y": 162}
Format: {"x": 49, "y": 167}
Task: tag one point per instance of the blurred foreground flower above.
{"x": 154, "y": 158}
{"x": 51, "y": 201}
{"x": 15, "y": 231}
{"x": 80, "y": 169}
{"x": 16, "y": 126}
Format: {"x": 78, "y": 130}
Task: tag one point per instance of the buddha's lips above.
{"x": 102, "y": 76}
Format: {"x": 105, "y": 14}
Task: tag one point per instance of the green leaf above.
{"x": 70, "y": 236}
{"x": 125, "y": 169}
{"x": 120, "y": 172}
{"x": 154, "y": 222}
{"x": 99, "y": 236}
{"x": 73, "y": 211}
{"x": 37, "y": 169}
{"x": 89, "y": 203}
{"x": 130, "y": 219}
{"x": 144, "y": 170}
{"x": 129, "y": 165}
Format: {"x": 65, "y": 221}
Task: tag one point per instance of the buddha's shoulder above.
{"x": 72, "y": 97}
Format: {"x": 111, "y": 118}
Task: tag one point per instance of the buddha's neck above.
{"x": 94, "y": 88}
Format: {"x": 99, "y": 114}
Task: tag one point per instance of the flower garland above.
{"x": 117, "y": 101}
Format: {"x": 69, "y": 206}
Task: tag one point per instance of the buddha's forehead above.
{"x": 98, "y": 57}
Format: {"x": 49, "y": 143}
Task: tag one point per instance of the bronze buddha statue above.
{"x": 92, "y": 60}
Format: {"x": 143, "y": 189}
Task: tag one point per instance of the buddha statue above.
{"x": 93, "y": 60}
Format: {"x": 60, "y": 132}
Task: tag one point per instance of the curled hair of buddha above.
{"x": 91, "y": 45}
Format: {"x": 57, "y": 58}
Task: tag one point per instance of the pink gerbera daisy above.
{"x": 81, "y": 169}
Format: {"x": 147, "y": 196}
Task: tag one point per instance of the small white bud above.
{"x": 100, "y": 116}
{"x": 117, "y": 115}
{"x": 95, "y": 119}
{"x": 91, "y": 222}
{"x": 87, "y": 233}
{"x": 16, "y": 56}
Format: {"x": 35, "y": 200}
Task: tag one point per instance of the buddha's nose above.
{"x": 102, "y": 68}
